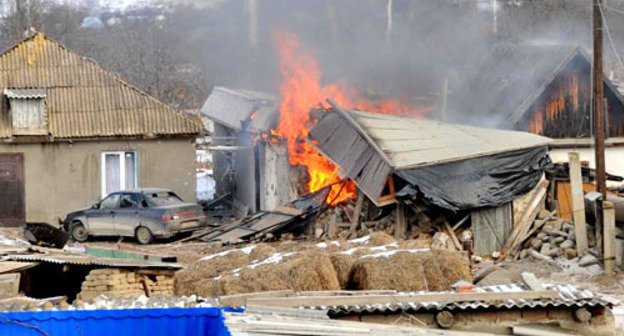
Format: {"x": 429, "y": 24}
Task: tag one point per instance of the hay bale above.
{"x": 400, "y": 271}
{"x": 343, "y": 265}
{"x": 188, "y": 280}
{"x": 455, "y": 265}
{"x": 261, "y": 251}
{"x": 313, "y": 271}
{"x": 206, "y": 288}
{"x": 411, "y": 271}
{"x": 415, "y": 243}
{"x": 231, "y": 284}
{"x": 380, "y": 238}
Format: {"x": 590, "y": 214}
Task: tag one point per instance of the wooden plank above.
{"x": 609, "y": 237}
{"x": 305, "y": 301}
{"x": 239, "y": 300}
{"x": 400, "y": 227}
{"x": 578, "y": 203}
{"x": 288, "y": 210}
{"x": 491, "y": 227}
{"x": 462, "y": 221}
{"x": 449, "y": 230}
{"x": 355, "y": 219}
{"x": 519, "y": 232}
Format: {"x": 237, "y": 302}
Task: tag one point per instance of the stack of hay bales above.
{"x": 163, "y": 285}
{"x": 112, "y": 282}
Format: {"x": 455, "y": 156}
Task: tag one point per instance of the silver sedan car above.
{"x": 141, "y": 213}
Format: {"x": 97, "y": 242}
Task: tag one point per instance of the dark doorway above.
{"x": 12, "y": 205}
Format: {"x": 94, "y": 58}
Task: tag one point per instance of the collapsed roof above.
{"x": 454, "y": 166}
{"x": 231, "y": 108}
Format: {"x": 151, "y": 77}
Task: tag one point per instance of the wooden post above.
{"x": 355, "y": 220}
{"x": 578, "y": 203}
{"x": 401, "y": 224}
{"x": 609, "y": 237}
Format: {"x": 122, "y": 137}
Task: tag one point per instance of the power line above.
{"x": 612, "y": 9}
{"x": 606, "y": 29}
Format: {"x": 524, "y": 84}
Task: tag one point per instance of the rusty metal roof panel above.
{"x": 570, "y": 296}
{"x": 82, "y": 99}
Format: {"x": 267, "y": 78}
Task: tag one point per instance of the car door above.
{"x": 127, "y": 216}
{"x": 101, "y": 221}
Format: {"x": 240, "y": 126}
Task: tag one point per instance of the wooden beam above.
{"x": 578, "y": 203}
{"x": 355, "y": 219}
{"x": 449, "y": 230}
{"x": 519, "y": 232}
{"x": 609, "y": 237}
{"x": 400, "y": 227}
{"x": 362, "y": 300}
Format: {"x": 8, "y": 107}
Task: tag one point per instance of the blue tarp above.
{"x": 127, "y": 322}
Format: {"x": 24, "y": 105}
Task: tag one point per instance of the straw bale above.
{"x": 261, "y": 251}
{"x": 343, "y": 264}
{"x": 380, "y": 238}
{"x": 407, "y": 271}
{"x": 313, "y": 271}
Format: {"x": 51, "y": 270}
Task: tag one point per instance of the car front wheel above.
{"x": 143, "y": 235}
{"x": 79, "y": 232}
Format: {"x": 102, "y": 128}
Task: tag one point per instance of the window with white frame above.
{"x": 119, "y": 171}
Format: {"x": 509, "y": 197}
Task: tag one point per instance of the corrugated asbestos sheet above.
{"x": 570, "y": 296}
{"x": 88, "y": 260}
{"x": 82, "y": 99}
{"x": 407, "y": 143}
{"x": 232, "y": 107}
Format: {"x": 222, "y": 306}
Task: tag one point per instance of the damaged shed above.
{"x": 453, "y": 166}
{"x": 246, "y": 165}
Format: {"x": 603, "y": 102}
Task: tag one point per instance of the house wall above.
{"x": 61, "y": 177}
{"x": 614, "y": 159}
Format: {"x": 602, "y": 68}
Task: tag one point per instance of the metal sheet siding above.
{"x": 569, "y": 296}
{"x": 82, "y": 99}
{"x": 127, "y": 322}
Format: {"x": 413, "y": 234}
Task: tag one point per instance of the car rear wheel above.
{"x": 79, "y": 232}
{"x": 143, "y": 235}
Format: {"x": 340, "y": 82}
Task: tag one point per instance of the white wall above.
{"x": 614, "y": 159}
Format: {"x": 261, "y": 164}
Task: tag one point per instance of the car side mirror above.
{"x": 95, "y": 206}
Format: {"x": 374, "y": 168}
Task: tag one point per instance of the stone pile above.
{"x": 121, "y": 283}
{"x": 554, "y": 240}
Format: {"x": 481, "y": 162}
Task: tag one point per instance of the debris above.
{"x": 588, "y": 260}
{"x": 441, "y": 241}
{"x": 532, "y": 282}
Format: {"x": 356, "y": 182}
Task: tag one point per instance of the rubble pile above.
{"x": 555, "y": 239}
{"x": 116, "y": 282}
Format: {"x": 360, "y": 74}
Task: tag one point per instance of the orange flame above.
{"x": 301, "y": 90}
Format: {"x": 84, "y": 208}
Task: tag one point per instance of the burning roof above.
{"x": 231, "y": 108}
{"x": 513, "y": 77}
{"x": 368, "y": 147}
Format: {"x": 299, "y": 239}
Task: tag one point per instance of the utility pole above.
{"x": 599, "y": 119}
{"x": 389, "y": 20}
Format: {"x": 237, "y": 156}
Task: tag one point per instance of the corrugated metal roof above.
{"x": 570, "y": 296}
{"x": 232, "y": 107}
{"x": 24, "y": 93}
{"x": 80, "y": 259}
{"x": 399, "y": 143}
{"x": 82, "y": 99}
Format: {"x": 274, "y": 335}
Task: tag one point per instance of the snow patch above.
{"x": 246, "y": 250}
{"x": 386, "y": 254}
{"x": 361, "y": 240}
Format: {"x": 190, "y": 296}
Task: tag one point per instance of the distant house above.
{"x": 254, "y": 171}
{"x": 544, "y": 89}
{"x": 71, "y": 132}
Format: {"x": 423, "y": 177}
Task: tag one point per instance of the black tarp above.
{"x": 474, "y": 183}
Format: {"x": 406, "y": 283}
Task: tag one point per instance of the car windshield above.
{"x": 162, "y": 199}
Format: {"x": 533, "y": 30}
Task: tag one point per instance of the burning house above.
{"x": 545, "y": 89}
